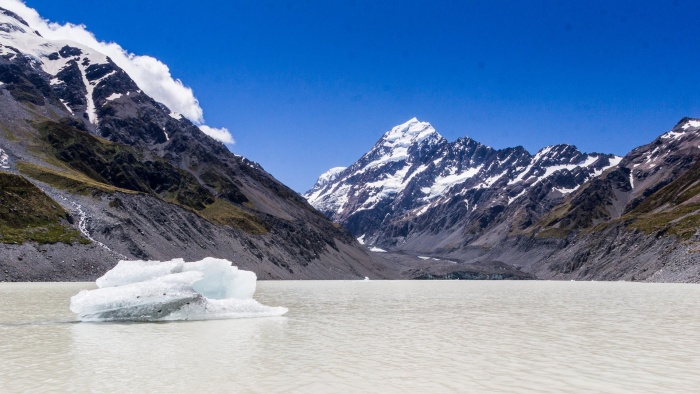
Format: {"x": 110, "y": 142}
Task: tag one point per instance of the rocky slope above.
{"x": 557, "y": 214}
{"x": 128, "y": 178}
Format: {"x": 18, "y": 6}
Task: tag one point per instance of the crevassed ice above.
{"x": 172, "y": 290}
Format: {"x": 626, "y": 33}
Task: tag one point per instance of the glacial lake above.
{"x": 376, "y": 336}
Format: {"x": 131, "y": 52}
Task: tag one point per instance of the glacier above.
{"x": 172, "y": 290}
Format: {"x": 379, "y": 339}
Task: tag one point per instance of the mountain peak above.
{"x": 685, "y": 122}
{"x": 408, "y": 133}
{"x": 686, "y": 129}
{"x": 690, "y": 122}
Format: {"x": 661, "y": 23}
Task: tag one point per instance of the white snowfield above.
{"x": 172, "y": 290}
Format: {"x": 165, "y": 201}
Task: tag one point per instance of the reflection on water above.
{"x": 370, "y": 337}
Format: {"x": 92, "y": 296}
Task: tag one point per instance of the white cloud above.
{"x": 150, "y": 74}
{"x": 221, "y": 134}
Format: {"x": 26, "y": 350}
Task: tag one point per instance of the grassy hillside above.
{"x": 27, "y": 214}
{"x": 674, "y": 209}
{"x": 94, "y": 165}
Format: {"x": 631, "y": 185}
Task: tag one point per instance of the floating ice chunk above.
{"x": 172, "y": 290}
{"x": 149, "y": 300}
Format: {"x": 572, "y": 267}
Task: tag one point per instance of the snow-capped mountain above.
{"x": 83, "y": 79}
{"x": 463, "y": 207}
{"x": 654, "y": 165}
{"x": 413, "y": 175}
{"x": 652, "y": 181}
{"x": 123, "y": 176}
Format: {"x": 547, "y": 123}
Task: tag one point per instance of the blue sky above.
{"x": 308, "y": 85}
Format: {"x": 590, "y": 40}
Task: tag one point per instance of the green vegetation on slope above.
{"x": 226, "y": 214}
{"x": 121, "y": 166}
{"x": 674, "y": 209}
{"x": 73, "y": 182}
{"x": 27, "y": 214}
{"x": 95, "y": 165}
{"x": 583, "y": 209}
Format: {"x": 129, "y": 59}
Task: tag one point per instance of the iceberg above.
{"x": 172, "y": 290}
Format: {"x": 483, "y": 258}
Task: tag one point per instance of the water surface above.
{"x": 378, "y": 336}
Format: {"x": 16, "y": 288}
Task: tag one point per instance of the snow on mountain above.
{"x": 669, "y": 154}
{"x": 70, "y": 51}
{"x": 330, "y": 175}
{"x": 412, "y": 171}
{"x": 4, "y": 160}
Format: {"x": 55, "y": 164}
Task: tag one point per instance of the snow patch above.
{"x": 361, "y": 239}
{"x": 92, "y": 115}
{"x": 490, "y": 181}
{"x": 631, "y": 180}
{"x": 65, "y": 104}
{"x": 376, "y": 249}
{"x": 615, "y": 161}
{"x": 114, "y": 96}
{"x": 443, "y": 183}
{"x": 436, "y": 259}
{"x": 390, "y": 185}
{"x": 4, "y": 160}
{"x": 510, "y": 200}
{"x": 423, "y": 210}
{"x": 565, "y": 191}
{"x": 691, "y": 123}
{"x": 673, "y": 135}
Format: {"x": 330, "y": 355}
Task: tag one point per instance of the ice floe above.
{"x": 172, "y": 290}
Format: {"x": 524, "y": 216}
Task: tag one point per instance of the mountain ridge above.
{"x": 433, "y": 167}
{"x": 469, "y": 201}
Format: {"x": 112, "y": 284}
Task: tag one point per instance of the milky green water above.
{"x": 394, "y": 336}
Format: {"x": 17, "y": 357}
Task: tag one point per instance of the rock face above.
{"x": 139, "y": 181}
{"x": 416, "y": 194}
